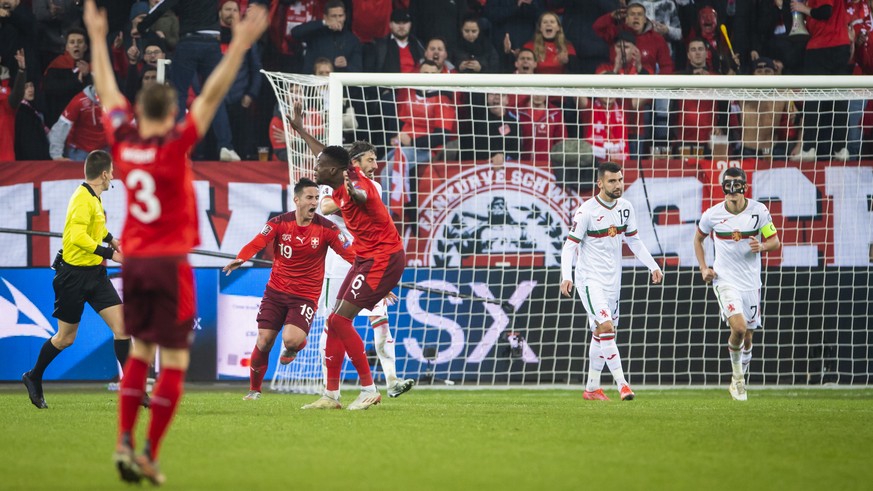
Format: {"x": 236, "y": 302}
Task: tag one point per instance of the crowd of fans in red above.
{"x": 49, "y": 110}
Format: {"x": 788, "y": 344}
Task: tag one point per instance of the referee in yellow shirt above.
{"x": 80, "y": 275}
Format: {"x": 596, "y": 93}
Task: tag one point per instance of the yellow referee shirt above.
{"x": 84, "y": 228}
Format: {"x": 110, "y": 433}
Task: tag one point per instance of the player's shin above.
{"x": 334, "y": 353}
{"x": 354, "y": 346}
{"x": 736, "y": 360}
{"x": 385, "y": 349}
{"x": 259, "y": 363}
{"x": 613, "y": 359}
{"x": 130, "y": 392}
{"x": 164, "y": 402}
{"x": 595, "y": 364}
{"x": 746, "y": 359}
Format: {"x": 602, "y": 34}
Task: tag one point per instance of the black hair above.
{"x": 361, "y": 147}
{"x": 735, "y": 172}
{"x": 339, "y": 156}
{"x": 77, "y": 30}
{"x": 605, "y": 167}
{"x": 96, "y": 163}
{"x": 334, "y": 4}
{"x": 302, "y": 184}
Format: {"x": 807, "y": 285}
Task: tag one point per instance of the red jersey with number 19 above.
{"x": 161, "y": 206}
{"x": 298, "y": 253}
{"x": 370, "y": 223}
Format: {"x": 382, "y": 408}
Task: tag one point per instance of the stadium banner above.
{"x": 518, "y": 215}
{"x": 26, "y": 322}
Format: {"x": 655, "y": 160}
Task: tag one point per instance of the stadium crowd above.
{"x": 49, "y": 109}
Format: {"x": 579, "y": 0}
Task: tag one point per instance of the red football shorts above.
{"x": 371, "y": 279}
{"x": 159, "y": 300}
{"x": 280, "y": 309}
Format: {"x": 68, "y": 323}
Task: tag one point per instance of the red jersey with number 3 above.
{"x": 370, "y": 223}
{"x": 298, "y": 252}
{"x": 161, "y": 206}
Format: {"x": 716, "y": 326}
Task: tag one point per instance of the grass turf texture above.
{"x": 490, "y": 439}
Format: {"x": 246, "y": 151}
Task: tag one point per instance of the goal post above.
{"x": 484, "y": 189}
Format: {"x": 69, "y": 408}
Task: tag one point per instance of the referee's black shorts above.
{"x": 75, "y": 285}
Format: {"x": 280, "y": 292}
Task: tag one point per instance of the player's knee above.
{"x": 63, "y": 340}
{"x": 265, "y": 343}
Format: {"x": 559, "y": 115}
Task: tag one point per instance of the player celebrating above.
{"x": 736, "y": 274}
{"x": 160, "y": 229}
{"x": 300, "y": 242}
{"x": 80, "y": 275}
{"x": 378, "y": 265}
{"x": 363, "y": 154}
{"x": 595, "y": 242}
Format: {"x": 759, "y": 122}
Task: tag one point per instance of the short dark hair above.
{"x": 338, "y": 156}
{"x": 698, "y": 39}
{"x": 428, "y": 63}
{"x": 605, "y": 167}
{"x": 522, "y": 50}
{"x": 361, "y": 147}
{"x": 302, "y": 184}
{"x": 96, "y": 163}
{"x": 735, "y": 172}
{"x": 333, "y": 4}
{"x": 76, "y": 30}
{"x": 157, "y": 101}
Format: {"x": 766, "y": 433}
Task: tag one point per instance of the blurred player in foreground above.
{"x": 735, "y": 225}
{"x": 300, "y": 242}
{"x": 377, "y": 269}
{"x": 595, "y": 243}
{"x": 161, "y": 228}
{"x": 363, "y": 154}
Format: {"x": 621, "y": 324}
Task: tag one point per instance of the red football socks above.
{"x": 258, "y": 368}
{"x": 165, "y": 399}
{"x": 353, "y": 344}
{"x": 130, "y": 394}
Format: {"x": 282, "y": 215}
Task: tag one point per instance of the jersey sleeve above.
{"x": 578, "y": 227}
{"x": 571, "y": 245}
{"x": 188, "y": 136}
{"x": 632, "y": 228}
{"x": 704, "y": 226}
{"x": 268, "y": 233}
{"x": 114, "y": 118}
{"x": 768, "y": 229}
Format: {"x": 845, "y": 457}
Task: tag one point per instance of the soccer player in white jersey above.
{"x": 363, "y": 154}
{"x": 735, "y": 225}
{"x": 595, "y": 243}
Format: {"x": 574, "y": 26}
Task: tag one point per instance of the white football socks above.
{"x": 736, "y": 361}
{"x": 746, "y": 359}
{"x": 385, "y": 349}
{"x": 595, "y": 365}
{"x": 613, "y": 360}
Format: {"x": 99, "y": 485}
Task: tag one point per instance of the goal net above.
{"x": 482, "y": 174}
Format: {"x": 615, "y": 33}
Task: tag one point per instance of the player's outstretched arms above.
{"x": 296, "y": 122}
{"x": 233, "y": 266}
{"x": 245, "y": 33}
{"x": 97, "y": 25}
{"x": 567, "y": 288}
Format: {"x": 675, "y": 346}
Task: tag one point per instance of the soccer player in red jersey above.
{"x": 378, "y": 265}
{"x": 161, "y": 228}
{"x": 300, "y": 240}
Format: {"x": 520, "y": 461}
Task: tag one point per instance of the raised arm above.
{"x": 245, "y": 33}
{"x": 101, "y": 65}
{"x": 297, "y": 124}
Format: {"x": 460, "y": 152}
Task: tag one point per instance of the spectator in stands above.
{"x": 166, "y": 27}
{"x": 245, "y": 87}
{"x": 399, "y": 52}
{"x": 718, "y": 57}
{"x": 765, "y": 125}
{"x": 627, "y": 59}
{"x": 438, "y": 19}
{"x": 578, "y": 19}
{"x": 827, "y": 53}
{"x": 495, "y": 135}
{"x": 429, "y": 120}
{"x": 697, "y": 53}
{"x": 542, "y": 126}
{"x": 285, "y": 53}
{"x": 18, "y": 29}
{"x": 330, "y": 38}
{"x": 554, "y": 53}
{"x": 370, "y": 19}
{"x": 66, "y": 75}
{"x": 525, "y": 63}
{"x": 513, "y": 24}
{"x": 605, "y": 126}
{"x": 475, "y": 53}
{"x": 664, "y": 18}
{"x": 770, "y": 36}
{"x": 695, "y": 121}
{"x": 10, "y": 100}
{"x": 79, "y": 130}
{"x": 860, "y": 24}
{"x": 197, "y": 54}
{"x": 137, "y": 68}
{"x": 31, "y": 133}
{"x": 437, "y": 52}
{"x": 655, "y": 52}
{"x": 54, "y": 18}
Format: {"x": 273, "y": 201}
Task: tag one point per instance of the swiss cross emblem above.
{"x": 314, "y": 242}
{"x": 286, "y": 237}
{"x": 612, "y": 231}
{"x": 736, "y": 235}
{"x": 731, "y": 307}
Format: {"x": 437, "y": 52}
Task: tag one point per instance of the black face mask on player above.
{"x": 733, "y": 186}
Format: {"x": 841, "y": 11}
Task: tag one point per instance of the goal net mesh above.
{"x": 482, "y": 182}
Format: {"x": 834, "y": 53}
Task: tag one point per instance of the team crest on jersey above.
{"x": 736, "y": 235}
{"x": 286, "y": 237}
{"x": 267, "y": 229}
{"x": 613, "y": 231}
{"x": 731, "y": 307}
{"x": 314, "y": 242}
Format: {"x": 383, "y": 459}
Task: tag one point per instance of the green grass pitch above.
{"x": 791, "y": 439}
